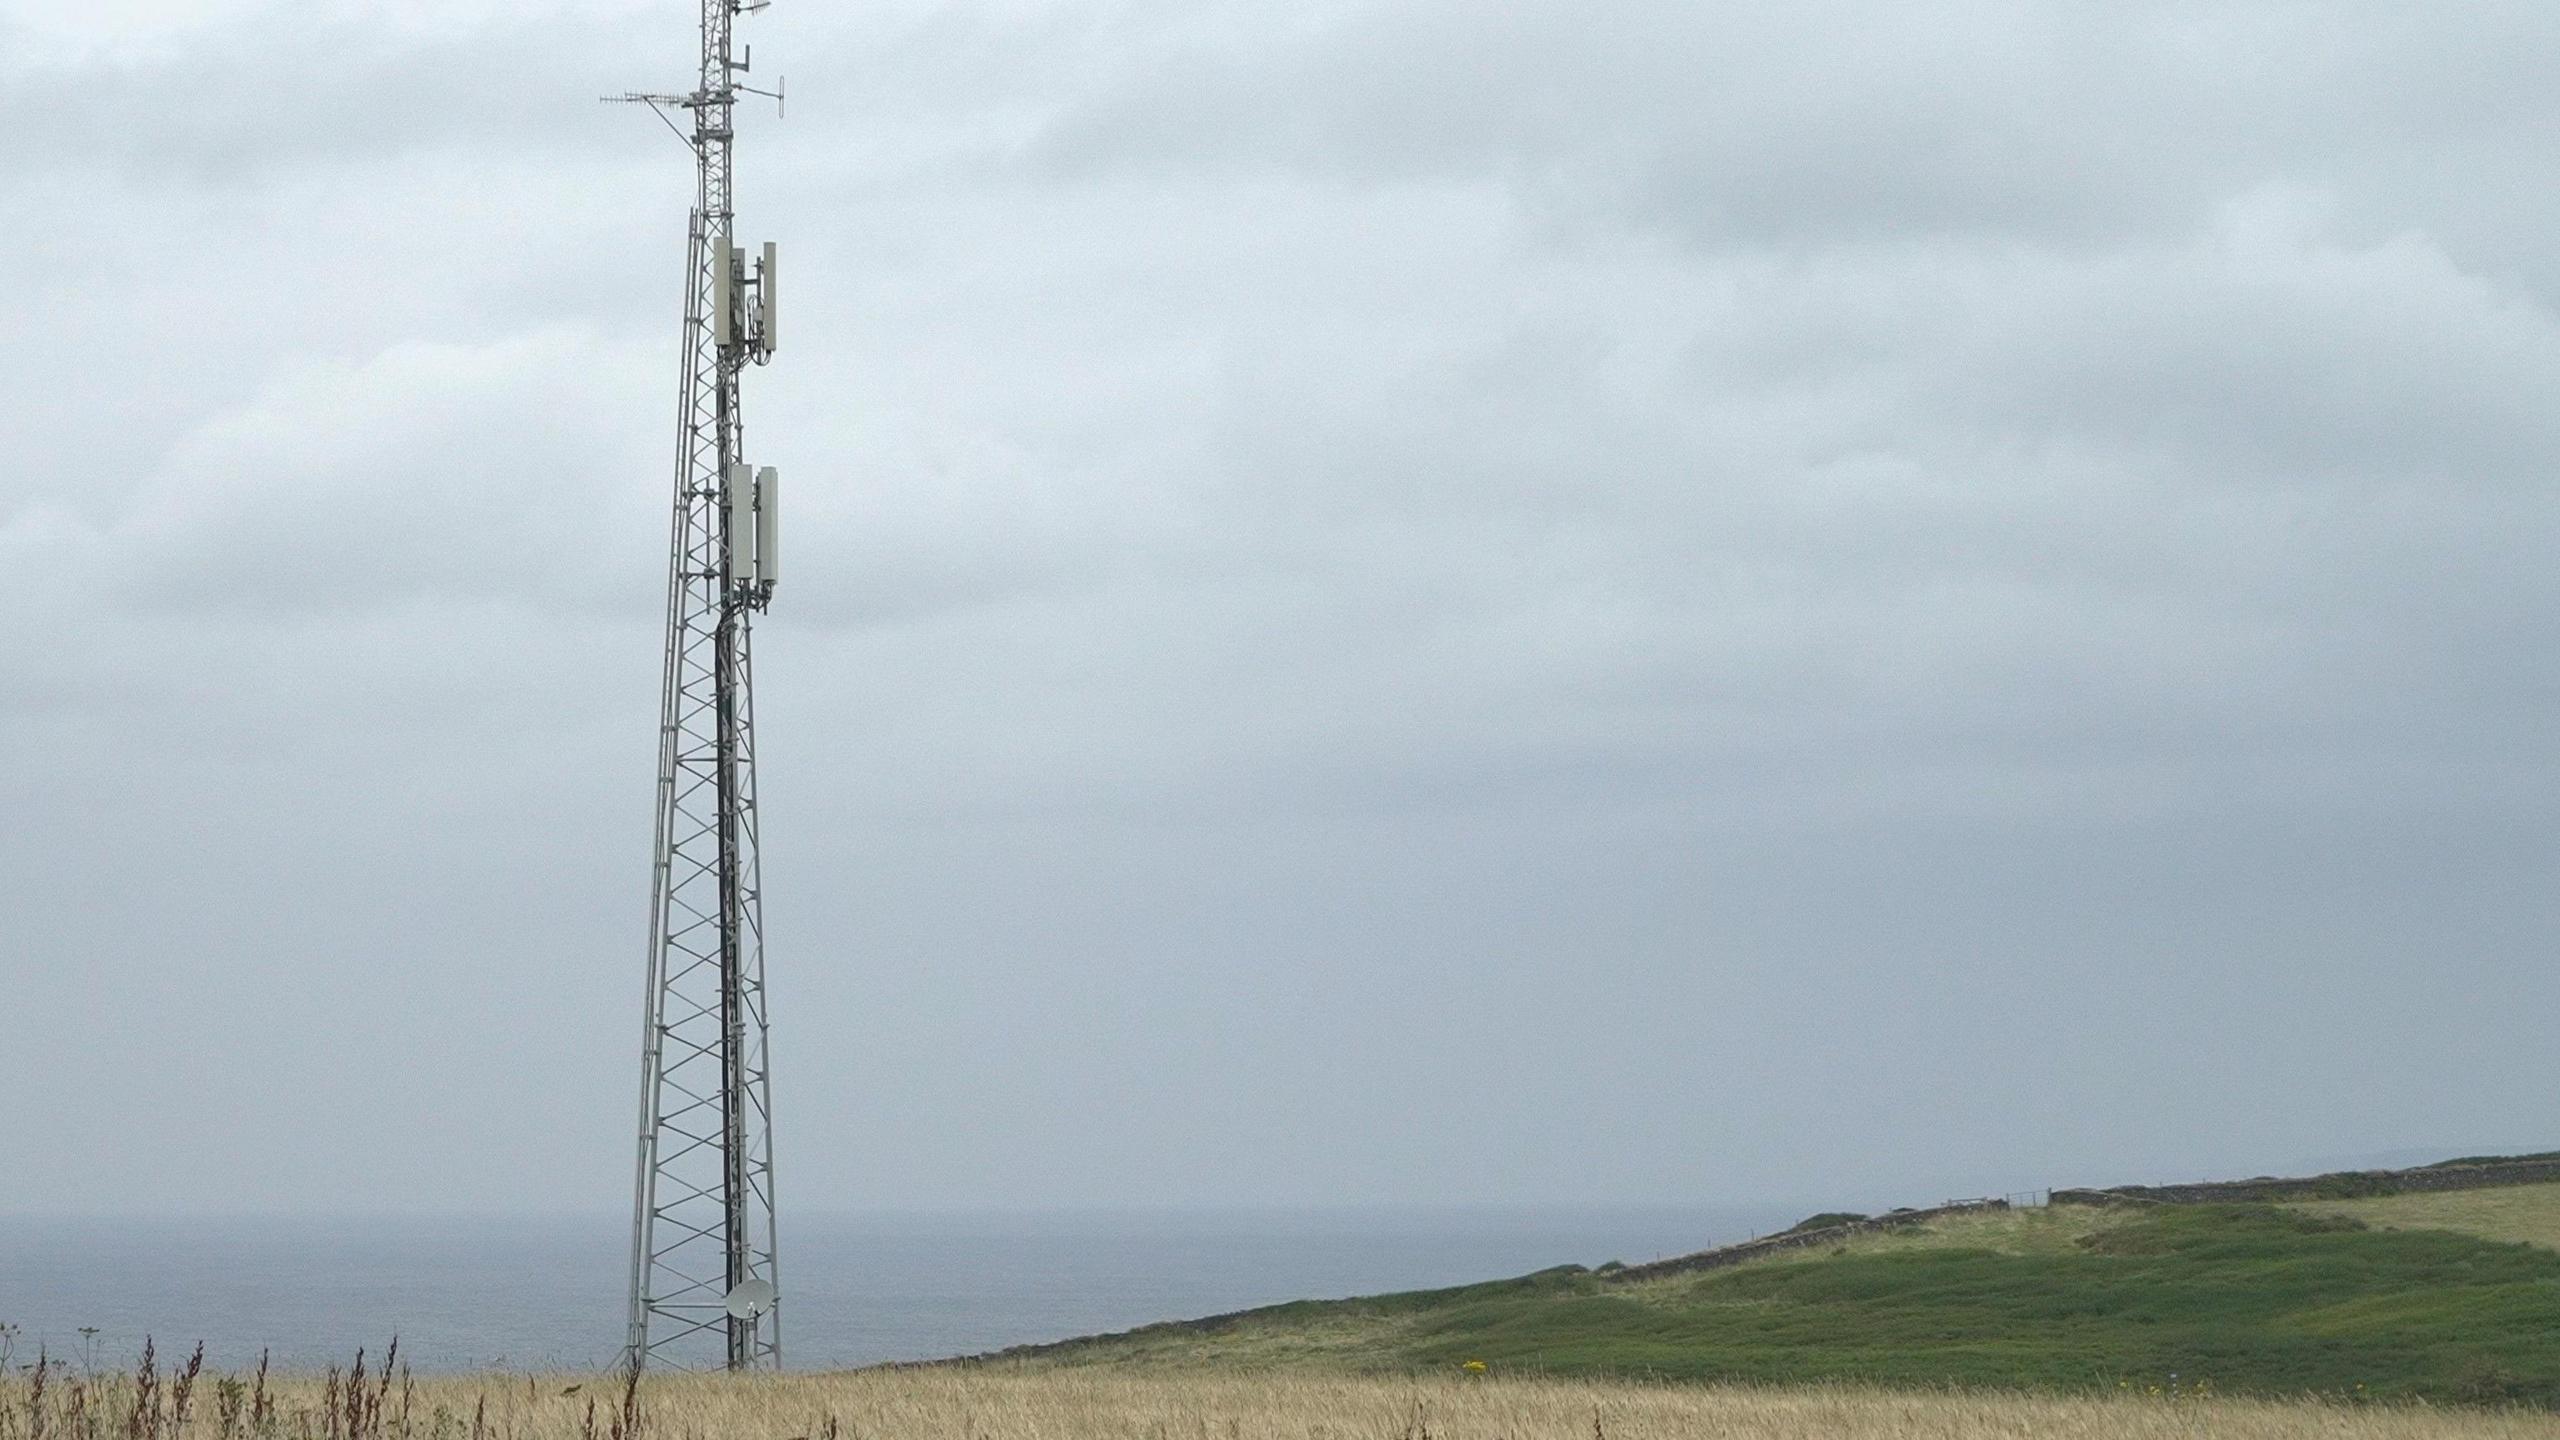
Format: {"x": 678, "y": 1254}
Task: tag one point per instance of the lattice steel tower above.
{"x": 703, "y": 1252}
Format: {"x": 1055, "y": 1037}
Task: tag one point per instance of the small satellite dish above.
{"x": 750, "y": 1299}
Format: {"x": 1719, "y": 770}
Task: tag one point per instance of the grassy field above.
{"x": 980, "y": 1404}
{"x": 2529, "y": 1214}
{"x": 2328, "y": 1318}
{"x": 2237, "y": 1299}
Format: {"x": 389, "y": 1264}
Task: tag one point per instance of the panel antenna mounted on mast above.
{"x": 705, "y": 1275}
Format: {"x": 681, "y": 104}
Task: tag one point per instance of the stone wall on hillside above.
{"x": 1725, "y": 1255}
{"x": 2343, "y": 1185}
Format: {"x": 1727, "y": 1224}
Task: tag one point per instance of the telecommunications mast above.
{"x": 703, "y": 1267}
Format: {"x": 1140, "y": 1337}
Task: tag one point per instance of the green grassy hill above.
{"x": 2224, "y": 1298}
{"x": 2530, "y": 1213}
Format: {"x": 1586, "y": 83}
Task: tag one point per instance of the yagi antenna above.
{"x": 704, "y": 1273}
{"x": 658, "y": 106}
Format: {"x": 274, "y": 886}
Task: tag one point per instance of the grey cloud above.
{"x": 280, "y": 91}
{"x": 428, "y": 470}
{"x": 1827, "y": 123}
{"x": 1857, "y": 573}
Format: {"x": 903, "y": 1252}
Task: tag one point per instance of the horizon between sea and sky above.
{"x": 545, "y": 1292}
{"x": 541, "y": 1292}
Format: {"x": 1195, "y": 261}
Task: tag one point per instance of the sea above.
{"x": 548, "y": 1293}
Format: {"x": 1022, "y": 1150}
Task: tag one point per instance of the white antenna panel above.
{"x": 742, "y": 524}
{"x": 724, "y": 296}
{"x": 765, "y": 282}
{"x": 768, "y": 517}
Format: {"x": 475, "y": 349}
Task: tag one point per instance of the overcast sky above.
{"x": 1387, "y": 600}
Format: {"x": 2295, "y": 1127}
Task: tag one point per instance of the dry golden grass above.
{"x": 1003, "y": 1404}
{"x": 2529, "y": 1213}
